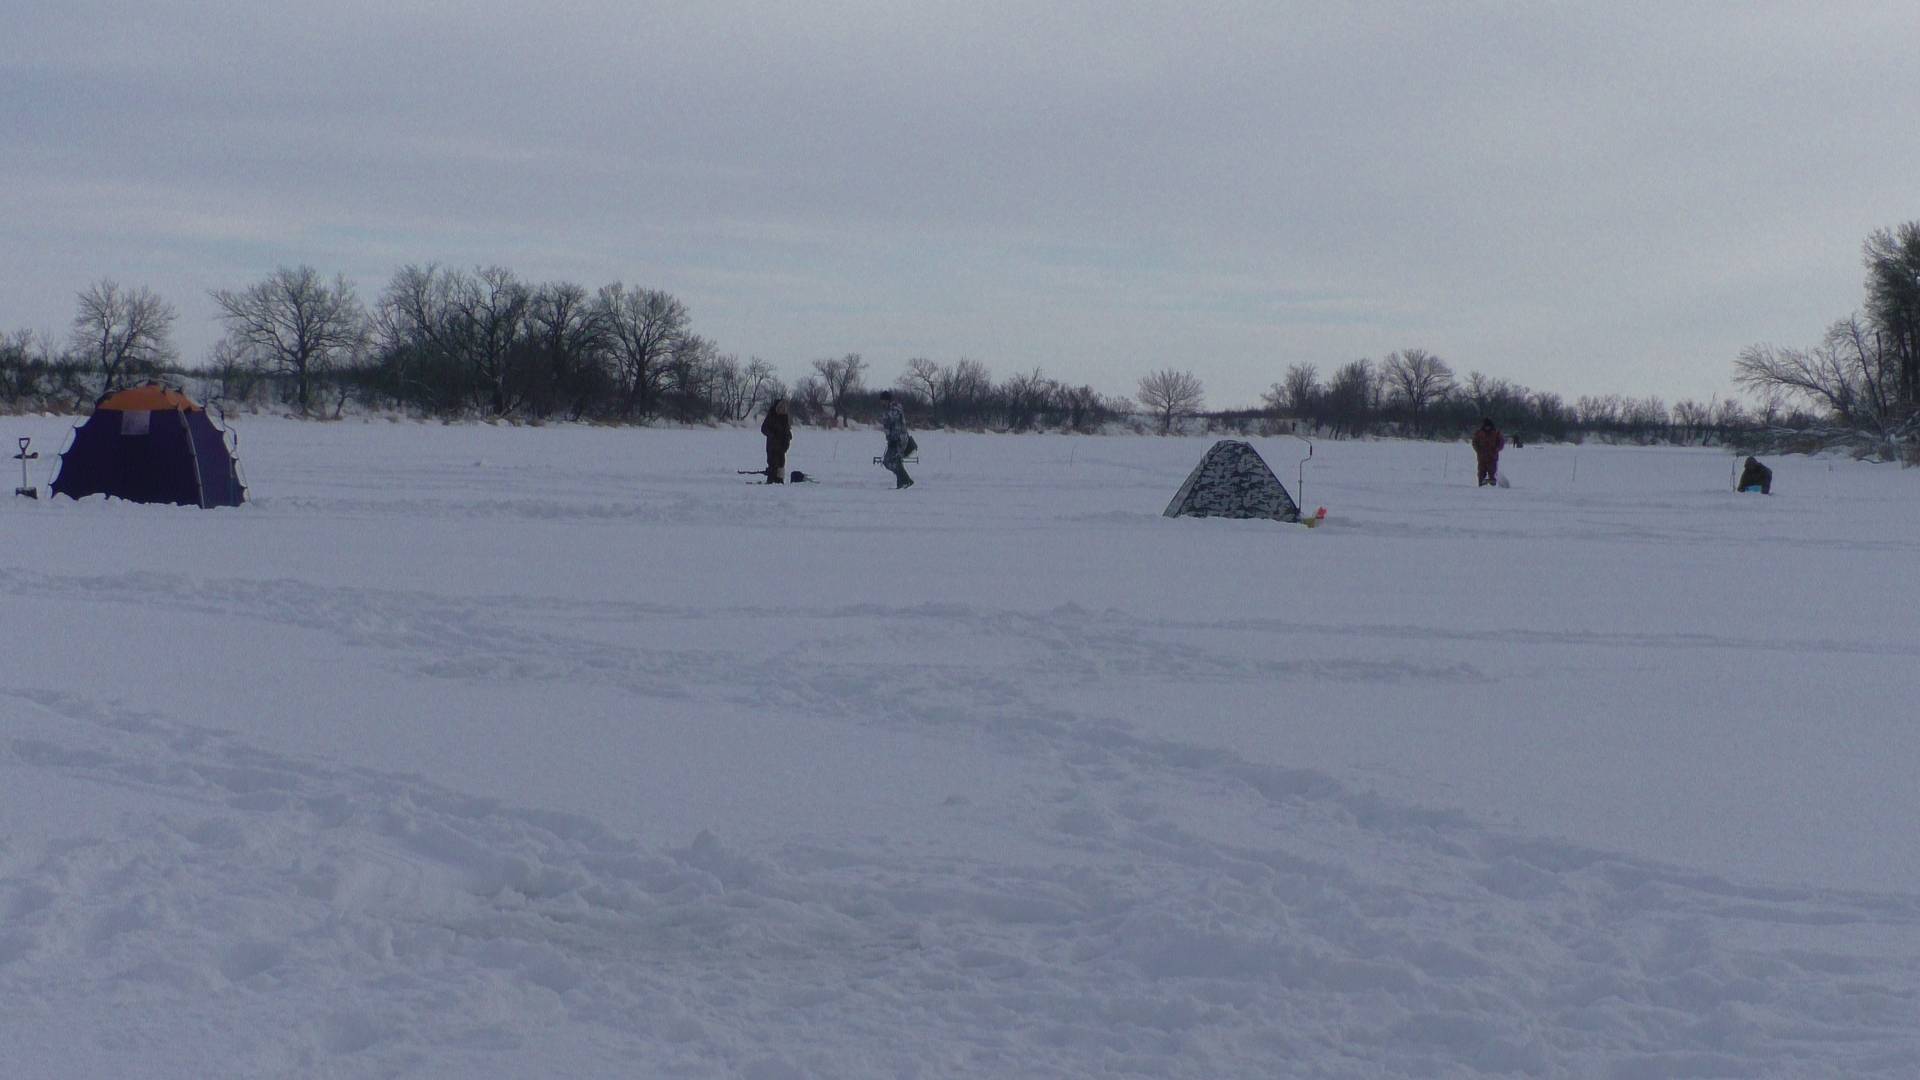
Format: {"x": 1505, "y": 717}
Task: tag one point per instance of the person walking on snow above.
{"x": 894, "y": 421}
{"x": 778, "y": 428}
{"x": 1487, "y": 443}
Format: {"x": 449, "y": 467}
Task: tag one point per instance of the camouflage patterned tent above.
{"x": 1233, "y": 481}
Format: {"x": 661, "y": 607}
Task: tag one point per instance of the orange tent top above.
{"x": 149, "y": 398}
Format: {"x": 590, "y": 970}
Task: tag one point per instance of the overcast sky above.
{"x": 1586, "y": 198}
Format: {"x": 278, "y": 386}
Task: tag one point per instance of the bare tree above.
{"x": 29, "y": 369}
{"x": 1829, "y": 375}
{"x": 1417, "y": 379}
{"x": 1645, "y": 418}
{"x": 1492, "y": 396}
{"x": 967, "y": 393}
{"x": 1168, "y": 393}
{"x": 14, "y": 366}
{"x": 690, "y": 373}
{"x": 1819, "y": 375}
{"x": 571, "y": 341}
{"x": 1023, "y": 396}
{"x": 1296, "y": 392}
{"x": 1085, "y": 409}
{"x": 1690, "y": 420}
{"x": 489, "y": 327}
{"x": 1349, "y": 401}
{"x": 810, "y": 398}
{"x": 1893, "y": 303}
{"x": 295, "y": 324}
{"x": 759, "y": 385}
{"x": 237, "y": 372}
{"x": 417, "y": 351}
{"x": 924, "y": 380}
{"x": 727, "y": 386}
{"x": 1551, "y": 414}
{"x": 122, "y": 331}
{"x": 1875, "y": 360}
{"x": 645, "y": 325}
{"x": 1729, "y": 416}
{"x": 1597, "y": 412}
{"x": 841, "y": 377}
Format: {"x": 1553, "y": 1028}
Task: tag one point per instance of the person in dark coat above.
{"x": 778, "y": 428}
{"x": 1755, "y": 477}
{"x": 1487, "y": 443}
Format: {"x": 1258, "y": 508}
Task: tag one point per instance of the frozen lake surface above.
{"x": 491, "y": 751}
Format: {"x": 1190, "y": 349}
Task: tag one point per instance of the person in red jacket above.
{"x": 1487, "y": 443}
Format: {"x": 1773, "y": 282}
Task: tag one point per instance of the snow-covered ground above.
{"x": 484, "y": 751}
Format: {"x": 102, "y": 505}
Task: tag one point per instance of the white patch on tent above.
{"x": 1233, "y": 480}
{"x": 136, "y": 422}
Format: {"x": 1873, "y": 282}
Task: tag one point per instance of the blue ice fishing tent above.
{"x": 150, "y": 444}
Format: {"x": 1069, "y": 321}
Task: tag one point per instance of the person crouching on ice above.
{"x": 1755, "y": 477}
{"x": 778, "y": 428}
{"x": 894, "y": 421}
{"x": 1486, "y": 451}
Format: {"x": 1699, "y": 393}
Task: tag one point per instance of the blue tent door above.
{"x": 217, "y": 479}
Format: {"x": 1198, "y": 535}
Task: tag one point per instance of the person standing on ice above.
{"x": 894, "y": 422}
{"x": 1755, "y": 477}
{"x": 1487, "y": 443}
{"x": 778, "y": 428}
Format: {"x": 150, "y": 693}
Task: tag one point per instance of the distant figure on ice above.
{"x": 1487, "y": 443}
{"x": 1755, "y": 477}
{"x": 899, "y": 443}
{"x": 778, "y": 428}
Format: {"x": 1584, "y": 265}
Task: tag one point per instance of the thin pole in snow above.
{"x": 1300, "y": 474}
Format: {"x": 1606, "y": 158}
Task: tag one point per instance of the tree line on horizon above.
{"x": 445, "y": 342}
